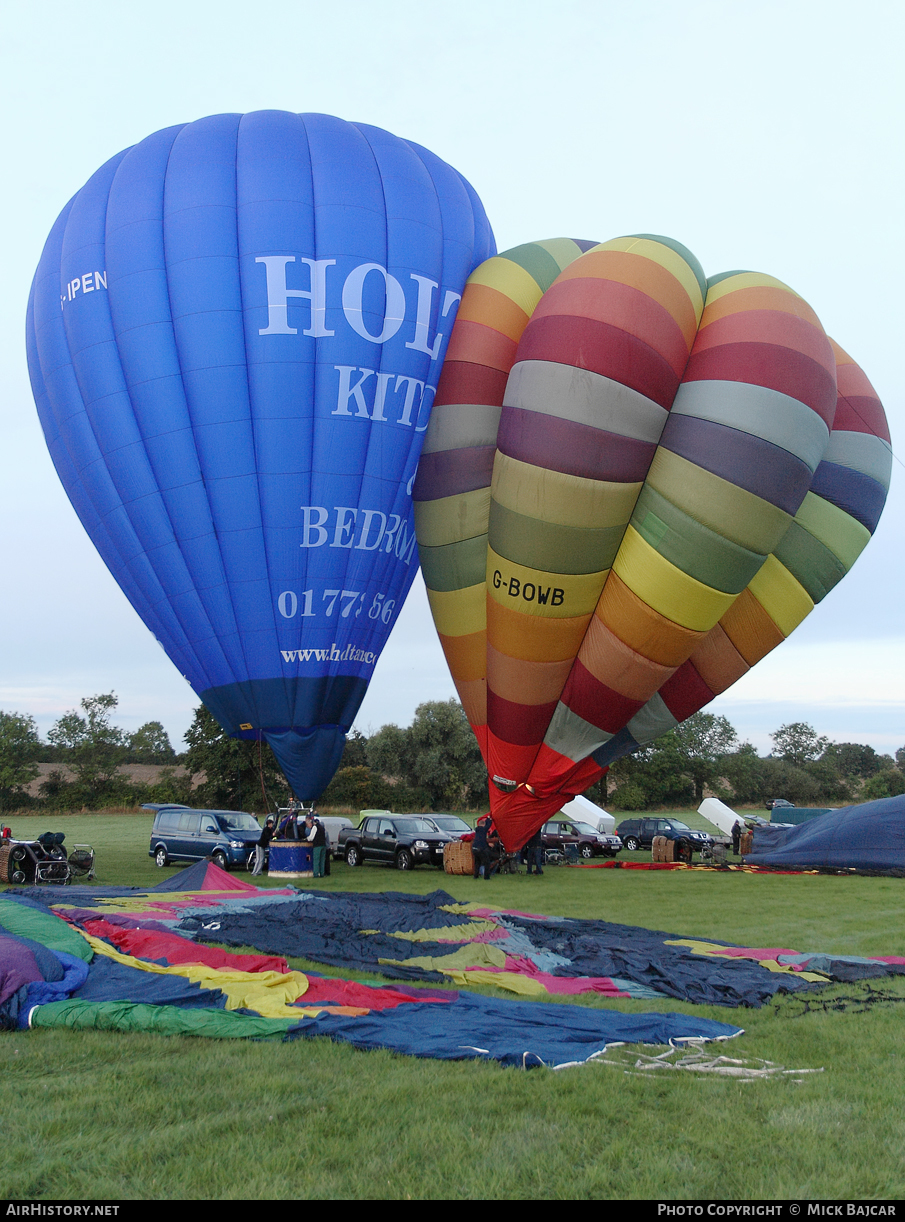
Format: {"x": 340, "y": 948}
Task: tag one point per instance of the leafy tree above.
{"x": 355, "y": 752}
{"x": 389, "y": 752}
{"x": 438, "y": 755}
{"x": 170, "y": 786}
{"x": 853, "y": 760}
{"x": 654, "y": 776}
{"x": 833, "y": 786}
{"x": 702, "y": 741}
{"x": 238, "y": 774}
{"x": 675, "y": 769}
{"x": 19, "y": 746}
{"x": 745, "y": 772}
{"x": 784, "y": 780}
{"x": 93, "y": 748}
{"x": 150, "y": 744}
{"x": 797, "y": 743}
{"x": 362, "y": 789}
{"x": 887, "y": 784}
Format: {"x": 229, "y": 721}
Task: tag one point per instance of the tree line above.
{"x": 432, "y": 764}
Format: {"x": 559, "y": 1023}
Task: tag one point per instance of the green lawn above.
{"x": 89, "y": 1115}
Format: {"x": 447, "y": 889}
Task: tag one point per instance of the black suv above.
{"x": 639, "y": 833}
{"x": 402, "y": 841}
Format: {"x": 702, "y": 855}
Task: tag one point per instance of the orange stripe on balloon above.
{"x": 717, "y": 661}
{"x": 639, "y": 273}
{"x": 550, "y": 640}
{"x": 464, "y": 655}
{"x": 525, "y": 682}
{"x": 624, "y": 670}
{"x": 760, "y": 298}
{"x": 750, "y": 628}
{"x": 482, "y": 345}
{"x": 630, "y": 309}
{"x": 473, "y": 697}
{"x": 493, "y": 308}
{"x": 768, "y": 327}
{"x": 641, "y": 628}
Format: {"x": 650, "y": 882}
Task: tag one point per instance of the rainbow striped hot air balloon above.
{"x": 636, "y": 483}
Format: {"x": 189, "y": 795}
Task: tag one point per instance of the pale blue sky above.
{"x": 765, "y": 137}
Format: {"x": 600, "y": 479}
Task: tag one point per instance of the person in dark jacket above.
{"x": 317, "y": 838}
{"x": 534, "y": 851}
{"x": 261, "y": 847}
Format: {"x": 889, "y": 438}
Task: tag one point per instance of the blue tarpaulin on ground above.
{"x": 869, "y": 837}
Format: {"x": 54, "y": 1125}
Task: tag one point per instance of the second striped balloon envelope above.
{"x": 636, "y": 483}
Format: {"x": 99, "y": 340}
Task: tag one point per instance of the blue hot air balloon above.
{"x": 234, "y": 336}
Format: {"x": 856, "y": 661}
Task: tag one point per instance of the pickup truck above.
{"x": 403, "y": 841}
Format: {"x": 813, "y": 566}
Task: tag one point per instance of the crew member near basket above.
{"x": 317, "y": 838}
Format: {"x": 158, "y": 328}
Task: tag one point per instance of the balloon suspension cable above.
{"x": 261, "y": 775}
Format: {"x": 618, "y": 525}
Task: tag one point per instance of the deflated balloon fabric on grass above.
{"x": 173, "y": 986}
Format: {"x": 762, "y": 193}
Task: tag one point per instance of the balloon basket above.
{"x": 290, "y": 860}
{"x": 458, "y": 858}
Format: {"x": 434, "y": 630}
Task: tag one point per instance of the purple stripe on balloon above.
{"x": 749, "y": 462}
{"x": 852, "y": 491}
{"x": 450, "y": 472}
{"x": 575, "y": 449}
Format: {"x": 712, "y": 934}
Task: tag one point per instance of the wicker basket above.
{"x": 458, "y": 857}
{"x": 661, "y": 849}
{"x": 4, "y": 863}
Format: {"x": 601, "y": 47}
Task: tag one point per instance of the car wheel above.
{"x": 353, "y": 855}
{"x": 160, "y": 857}
{"x": 631, "y": 844}
{"x": 587, "y": 850}
{"x": 219, "y": 859}
{"x": 404, "y": 860}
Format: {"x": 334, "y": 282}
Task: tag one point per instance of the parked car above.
{"x": 774, "y": 803}
{"x": 181, "y": 833}
{"x": 402, "y": 841}
{"x": 333, "y": 825}
{"x": 639, "y": 833}
{"x": 559, "y": 833}
{"x": 451, "y": 823}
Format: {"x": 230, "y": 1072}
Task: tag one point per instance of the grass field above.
{"x": 90, "y": 1115}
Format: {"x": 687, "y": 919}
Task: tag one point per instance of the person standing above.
{"x": 737, "y": 830}
{"x": 479, "y": 848}
{"x": 261, "y": 847}
{"x": 534, "y": 851}
{"x": 317, "y": 838}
